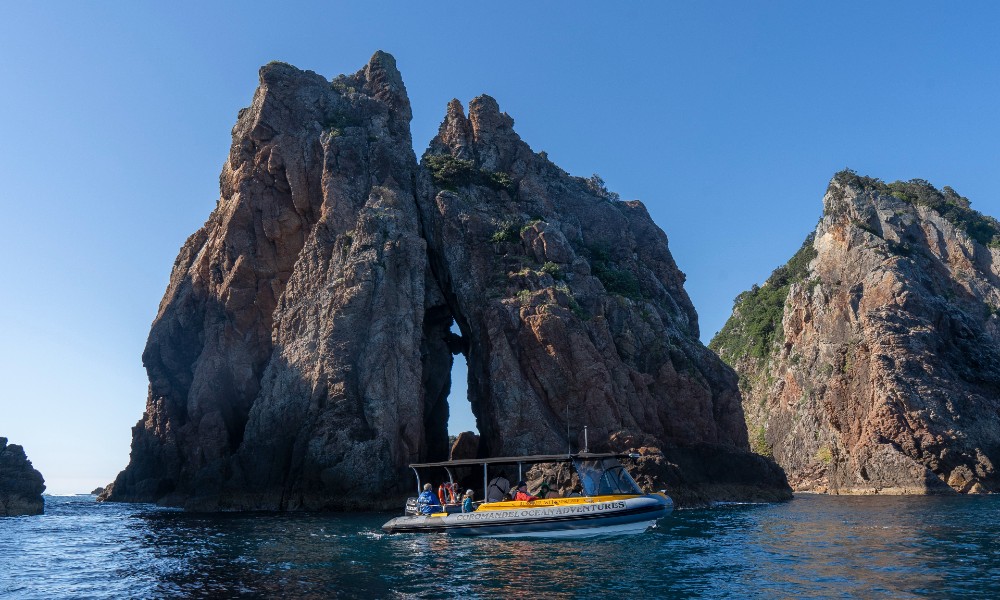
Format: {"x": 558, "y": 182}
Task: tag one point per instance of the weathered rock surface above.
{"x": 302, "y": 354}
{"x": 466, "y": 445}
{"x": 106, "y": 493}
{"x": 871, "y": 363}
{"x": 694, "y": 475}
{"x": 285, "y": 361}
{"x": 21, "y": 486}
{"x": 569, "y": 303}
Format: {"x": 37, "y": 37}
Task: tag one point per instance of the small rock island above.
{"x": 21, "y": 486}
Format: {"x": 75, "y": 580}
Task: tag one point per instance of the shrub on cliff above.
{"x": 614, "y": 279}
{"x": 506, "y": 233}
{"x": 452, "y": 173}
{"x": 553, "y": 269}
{"x": 946, "y": 202}
{"x": 596, "y": 185}
{"x": 758, "y": 312}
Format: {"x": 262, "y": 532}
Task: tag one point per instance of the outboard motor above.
{"x": 412, "y": 507}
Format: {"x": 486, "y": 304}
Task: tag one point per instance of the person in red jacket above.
{"x": 522, "y": 493}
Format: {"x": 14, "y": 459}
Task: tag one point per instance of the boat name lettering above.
{"x": 541, "y": 512}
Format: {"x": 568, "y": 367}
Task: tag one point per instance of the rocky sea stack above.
{"x": 302, "y": 354}
{"x": 21, "y": 486}
{"x": 870, "y": 363}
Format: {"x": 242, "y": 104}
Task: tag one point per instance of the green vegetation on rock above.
{"x": 596, "y": 185}
{"x": 615, "y": 280}
{"x": 452, "y": 173}
{"x": 947, "y": 202}
{"x": 757, "y": 313}
{"x": 531, "y": 223}
{"x": 553, "y": 269}
{"x": 758, "y": 442}
{"x": 507, "y": 232}
{"x": 340, "y": 119}
{"x": 340, "y": 84}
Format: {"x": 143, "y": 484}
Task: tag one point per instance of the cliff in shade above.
{"x": 870, "y": 363}
{"x": 302, "y": 354}
{"x": 21, "y": 486}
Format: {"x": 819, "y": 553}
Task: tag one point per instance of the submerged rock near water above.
{"x": 302, "y": 354}
{"x": 870, "y": 363}
{"x": 21, "y": 486}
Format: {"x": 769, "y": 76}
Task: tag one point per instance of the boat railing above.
{"x": 621, "y": 481}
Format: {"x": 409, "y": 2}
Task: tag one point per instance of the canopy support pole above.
{"x": 418, "y": 480}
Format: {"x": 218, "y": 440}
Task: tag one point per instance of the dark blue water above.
{"x": 814, "y": 546}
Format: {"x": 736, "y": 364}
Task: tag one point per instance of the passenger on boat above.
{"x": 498, "y": 488}
{"x": 522, "y": 494}
{"x": 546, "y": 492}
{"x": 467, "y": 502}
{"x": 427, "y": 501}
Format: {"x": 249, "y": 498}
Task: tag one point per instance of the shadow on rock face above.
{"x": 301, "y": 357}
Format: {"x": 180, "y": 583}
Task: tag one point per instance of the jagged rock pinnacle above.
{"x": 302, "y": 354}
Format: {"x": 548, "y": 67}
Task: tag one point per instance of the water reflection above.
{"x": 814, "y": 546}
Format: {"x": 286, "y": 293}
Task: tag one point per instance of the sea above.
{"x": 810, "y": 547}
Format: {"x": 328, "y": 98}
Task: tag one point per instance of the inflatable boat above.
{"x": 609, "y": 502}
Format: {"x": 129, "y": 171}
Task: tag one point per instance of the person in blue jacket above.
{"x": 427, "y": 501}
{"x": 467, "y": 506}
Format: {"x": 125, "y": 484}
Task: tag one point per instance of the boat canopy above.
{"x": 600, "y": 473}
{"x": 514, "y": 460}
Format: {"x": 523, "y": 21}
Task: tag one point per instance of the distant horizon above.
{"x": 726, "y": 120}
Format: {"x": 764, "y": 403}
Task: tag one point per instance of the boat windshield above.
{"x": 605, "y": 477}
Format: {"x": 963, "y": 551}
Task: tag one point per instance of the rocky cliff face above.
{"x": 21, "y": 486}
{"x": 871, "y": 362}
{"x": 570, "y": 305}
{"x": 285, "y": 360}
{"x": 301, "y": 356}
{"x": 547, "y": 274}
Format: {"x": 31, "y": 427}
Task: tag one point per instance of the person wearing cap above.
{"x": 522, "y": 493}
{"x": 546, "y": 492}
{"x": 467, "y": 501}
{"x": 427, "y": 501}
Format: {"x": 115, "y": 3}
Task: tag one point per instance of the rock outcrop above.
{"x": 871, "y": 362}
{"x": 302, "y": 354}
{"x": 21, "y": 486}
{"x": 465, "y": 446}
{"x": 570, "y": 305}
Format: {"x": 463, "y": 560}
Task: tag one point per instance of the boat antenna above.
{"x": 586, "y": 444}
{"x": 569, "y": 449}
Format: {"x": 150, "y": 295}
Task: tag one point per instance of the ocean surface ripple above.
{"x": 811, "y": 547}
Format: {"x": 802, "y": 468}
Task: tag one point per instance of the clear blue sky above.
{"x": 726, "y": 118}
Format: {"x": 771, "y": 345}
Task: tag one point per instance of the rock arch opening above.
{"x": 461, "y": 418}
{"x": 448, "y": 409}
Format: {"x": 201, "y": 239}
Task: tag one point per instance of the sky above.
{"x": 727, "y": 119}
